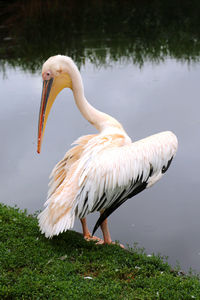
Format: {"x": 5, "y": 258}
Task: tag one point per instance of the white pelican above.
{"x": 103, "y": 170}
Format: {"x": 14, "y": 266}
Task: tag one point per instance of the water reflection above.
{"x": 135, "y": 69}
{"x": 101, "y": 31}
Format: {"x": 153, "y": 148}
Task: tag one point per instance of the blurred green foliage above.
{"x": 98, "y": 31}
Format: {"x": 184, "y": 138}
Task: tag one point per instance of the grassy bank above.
{"x": 67, "y": 267}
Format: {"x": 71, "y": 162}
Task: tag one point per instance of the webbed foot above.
{"x": 101, "y": 242}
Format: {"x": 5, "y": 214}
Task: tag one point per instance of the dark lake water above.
{"x": 156, "y": 97}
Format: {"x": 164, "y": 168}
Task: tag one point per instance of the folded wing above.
{"x": 111, "y": 176}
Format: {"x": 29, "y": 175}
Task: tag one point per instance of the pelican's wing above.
{"x": 109, "y": 177}
{"x": 59, "y": 173}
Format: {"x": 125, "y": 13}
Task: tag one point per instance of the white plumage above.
{"x": 102, "y": 171}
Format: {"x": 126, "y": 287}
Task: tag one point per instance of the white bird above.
{"x": 103, "y": 170}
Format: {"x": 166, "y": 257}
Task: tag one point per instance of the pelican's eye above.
{"x": 46, "y": 75}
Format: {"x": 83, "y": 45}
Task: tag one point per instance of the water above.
{"x": 157, "y": 97}
{"x": 140, "y": 63}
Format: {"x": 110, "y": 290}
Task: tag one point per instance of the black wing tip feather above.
{"x": 164, "y": 169}
{"x": 141, "y": 186}
{"x": 98, "y": 223}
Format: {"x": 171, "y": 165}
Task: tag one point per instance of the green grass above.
{"x": 33, "y": 267}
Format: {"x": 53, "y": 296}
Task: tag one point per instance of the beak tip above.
{"x": 38, "y": 149}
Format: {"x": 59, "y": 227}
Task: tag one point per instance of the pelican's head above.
{"x": 56, "y": 76}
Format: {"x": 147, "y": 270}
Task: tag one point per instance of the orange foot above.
{"x": 101, "y": 242}
{"x": 89, "y": 237}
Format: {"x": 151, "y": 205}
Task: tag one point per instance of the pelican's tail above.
{"x": 53, "y": 225}
{"x": 58, "y": 216}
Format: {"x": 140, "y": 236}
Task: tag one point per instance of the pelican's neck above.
{"x": 97, "y": 118}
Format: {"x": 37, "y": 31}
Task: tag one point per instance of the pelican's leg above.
{"x": 106, "y": 234}
{"x": 86, "y": 233}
